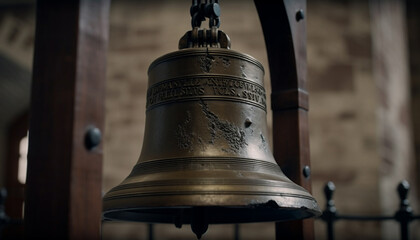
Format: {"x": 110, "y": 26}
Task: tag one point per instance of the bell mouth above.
{"x": 268, "y": 212}
{"x": 200, "y": 217}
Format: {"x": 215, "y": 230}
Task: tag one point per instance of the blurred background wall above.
{"x": 363, "y": 83}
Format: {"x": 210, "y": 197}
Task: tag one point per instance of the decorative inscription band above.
{"x": 224, "y": 88}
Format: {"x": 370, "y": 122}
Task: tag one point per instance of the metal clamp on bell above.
{"x": 205, "y": 157}
{"x": 196, "y": 38}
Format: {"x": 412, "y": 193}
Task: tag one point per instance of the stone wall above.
{"x": 343, "y": 134}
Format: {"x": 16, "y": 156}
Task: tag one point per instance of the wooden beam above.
{"x": 63, "y": 195}
{"x": 284, "y": 28}
{"x": 413, "y": 35}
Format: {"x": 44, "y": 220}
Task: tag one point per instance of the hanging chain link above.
{"x": 200, "y": 10}
{"x": 198, "y": 37}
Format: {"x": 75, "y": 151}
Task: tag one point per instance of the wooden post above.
{"x": 413, "y": 34}
{"x": 284, "y": 28}
{"x": 63, "y": 195}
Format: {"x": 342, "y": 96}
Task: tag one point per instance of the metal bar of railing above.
{"x": 151, "y": 231}
{"x": 364, "y": 218}
{"x": 404, "y": 215}
{"x": 236, "y": 232}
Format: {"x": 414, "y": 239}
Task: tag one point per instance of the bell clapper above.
{"x": 199, "y": 224}
{"x": 178, "y": 219}
{"x": 199, "y": 228}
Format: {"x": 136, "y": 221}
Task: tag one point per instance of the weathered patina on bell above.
{"x": 205, "y": 157}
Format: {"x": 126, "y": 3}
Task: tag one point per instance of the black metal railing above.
{"x": 404, "y": 215}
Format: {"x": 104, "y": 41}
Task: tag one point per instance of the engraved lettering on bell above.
{"x": 201, "y": 87}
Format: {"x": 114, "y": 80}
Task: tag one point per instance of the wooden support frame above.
{"x": 284, "y": 28}
{"x": 63, "y": 194}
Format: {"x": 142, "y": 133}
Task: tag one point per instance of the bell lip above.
{"x": 205, "y": 50}
{"x": 215, "y": 214}
{"x": 275, "y": 194}
{"x": 261, "y": 209}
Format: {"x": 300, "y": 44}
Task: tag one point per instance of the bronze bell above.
{"x": 205, "y": 157}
